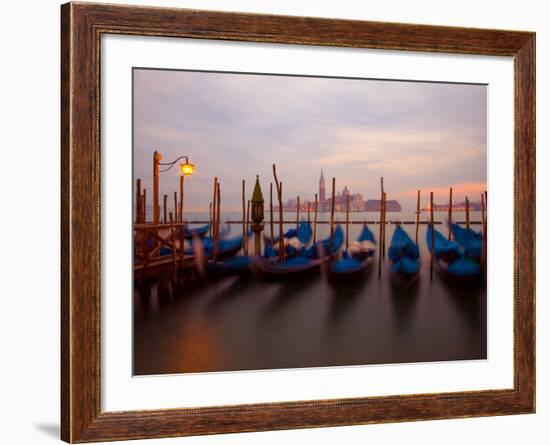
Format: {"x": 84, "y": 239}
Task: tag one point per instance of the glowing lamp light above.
{"x": 187, "y": 169}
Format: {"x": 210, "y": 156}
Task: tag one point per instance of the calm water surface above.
{"x": 237, "y": 323}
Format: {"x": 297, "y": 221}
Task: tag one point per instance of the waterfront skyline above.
{"x": 417, "y": 135}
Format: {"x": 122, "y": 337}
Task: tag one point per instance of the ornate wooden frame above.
{"x": 81, "y": 28}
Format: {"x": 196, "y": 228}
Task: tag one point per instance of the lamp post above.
{"x": 257, "y": 216}
{"x": 187, "y": 169}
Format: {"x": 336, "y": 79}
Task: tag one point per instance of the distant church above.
{"x": 356, "y": 200}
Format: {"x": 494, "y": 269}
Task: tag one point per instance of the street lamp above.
{"x": 186, "y": 169}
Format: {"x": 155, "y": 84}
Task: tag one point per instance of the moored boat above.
{"x": 444, "y": 249}
{"x": 403, "y": 254}
{"x": 470, "y": 240}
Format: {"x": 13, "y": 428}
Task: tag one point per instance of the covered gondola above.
{"x": 470, "y": 240}
{"x": 307, "y": 262}
{"x": 444, "y": 249}
{"x": 462, "y": 270}
{"x": 190, "y": 232}
{"x": 365, "y": 245}
{"x": 403, "y": 254}
{"x": 236, "y": 265}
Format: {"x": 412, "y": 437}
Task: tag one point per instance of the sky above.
{"x": 417, "y": 135}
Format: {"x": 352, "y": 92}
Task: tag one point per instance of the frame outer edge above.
{"x": 66, "y": 47}
{"x": 81, "y": 416}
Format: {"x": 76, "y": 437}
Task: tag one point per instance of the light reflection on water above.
{"x": 240, "y": 324}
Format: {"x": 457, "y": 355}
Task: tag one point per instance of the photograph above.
{"x": 288, "y": 221}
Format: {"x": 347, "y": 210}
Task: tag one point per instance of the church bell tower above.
{"x": 322, "y": 189}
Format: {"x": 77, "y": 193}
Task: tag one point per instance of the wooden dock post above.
{"x": 245, "y": 243}
{"x": 417, "y": 215}
{"x": 380, "y": 233}
{"x": 433, "y": 234}
{"x": 214, "y": 211}
{"x": 297, "y": 211}
{"x": 467, "y": 202}
{"x": 308, "y": 212}
{"x": 175, "y": 206}
{"x": 450, "y": 211}
{"x": 165, "y": 208}
{"x": 331, "y": 250}
{"x": 211, "y": 225}
{"x": 271, "y": 210}
{"x": 315, "y": 220}
{"x": 138, "y": 200}
{"x": 484, "y": 232}
{"x": 384, "y": 228}
{"x": 347, "y": 221}
{"x": 180, "y": 214}
{"x": 144, "y": 205}
{"x": 279, "y": 186}
{"x": 157, "y": 157}
{"x": 174, "y": 257}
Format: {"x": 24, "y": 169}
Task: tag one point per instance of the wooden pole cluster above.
{"x": 332, "y": 219}
{"x": 417, "y": 215}
{"x": 467, "y": 202}
{"x": 450, "y": 211}
{"x": 279, "y": 186}
{"x": 347, "y": 221}
{"x": 433, "y": 234}
{"x": 315, "y": 220}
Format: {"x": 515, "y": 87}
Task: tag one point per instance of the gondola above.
{"x": 303, "y": 233}
{"x": 188, "y": 233}
{"x": 236, "y": 265}
{"x": 347, "y": 268}
{"x": 404, "y": 255}
{"x": 470, "y": 241}
{"x": 444, "y": 249}
{"x": 462, "y": 270}
{"x": 227, "y": 247}
{"x": 365, "y": 246}
{"x": 307, "y": 262}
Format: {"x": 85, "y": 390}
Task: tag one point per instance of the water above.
{"x": 239, "y": 324}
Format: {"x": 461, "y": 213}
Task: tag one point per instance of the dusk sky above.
{"x": 427, "y": 136}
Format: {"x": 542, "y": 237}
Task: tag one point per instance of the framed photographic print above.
{"x": 276, "y": 222}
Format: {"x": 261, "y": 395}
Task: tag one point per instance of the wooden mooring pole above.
{"x": 331, "y": 250}
{"x": 165, "y": 208}
{"x": 467, "y": 202}
{"x": 417, "y": 215}
{"x": 214, "y": 201}
{"x": 279, "y": 186}
{"x": 174, "y": 257}
{"x": 433, "y": 234}
{"x": 156, "y": 206}
{"x": 245, "y": 244}
{"x": 347, "y": 221}
{"x": 180, "y": 213}
{"x": 138, "y": 200}
{"x": 450, "y": 211}
{"x": 271, "y": 210}
{"x": 315, "y": 220}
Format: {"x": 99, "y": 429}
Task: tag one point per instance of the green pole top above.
{"x": 257, "y": 195}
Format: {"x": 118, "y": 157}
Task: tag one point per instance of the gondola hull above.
{"x": 273, "y": 270}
